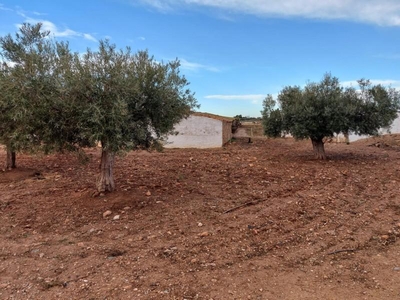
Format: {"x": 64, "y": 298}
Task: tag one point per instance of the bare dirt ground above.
{"x": 247, "y": 221}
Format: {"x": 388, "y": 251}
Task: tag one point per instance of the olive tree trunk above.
{"x": 106, "y": 181}
{"x": 319, "y": 149}
{"x": 10, "y": 159}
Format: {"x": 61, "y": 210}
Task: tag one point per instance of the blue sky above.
{"x": 234, "y": 52}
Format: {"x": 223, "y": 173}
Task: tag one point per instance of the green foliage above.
{"x": 271, "y": 118}
{"x": 127, "y": 100}
{"x": 25, "y": 86}
{"x": 323, "y": 109}
{"x": 53, "y": 99}
{"x": 378, "y": 107}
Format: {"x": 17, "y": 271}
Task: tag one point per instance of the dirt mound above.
{"x": 247, "y": 221}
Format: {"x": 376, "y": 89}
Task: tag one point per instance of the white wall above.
{"x": 396, "y": 125}
{"x": 196, "y": 132}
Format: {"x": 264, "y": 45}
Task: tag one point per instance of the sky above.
{"x": 233, "y": 52}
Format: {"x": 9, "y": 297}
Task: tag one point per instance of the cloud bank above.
{"x": 380, "y": 12}
{"x": 253, "y": 98}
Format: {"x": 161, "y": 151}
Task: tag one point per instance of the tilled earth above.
{"x": 248, "y": 221}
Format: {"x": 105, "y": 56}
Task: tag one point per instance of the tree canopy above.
{"x": 25, "y": 84}
{"x": 322, "y": 109}
{"x": 129, "y": 101}
{"x": 56, "y": 99}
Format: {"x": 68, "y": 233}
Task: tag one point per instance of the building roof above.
{"x": 212, "y": 116}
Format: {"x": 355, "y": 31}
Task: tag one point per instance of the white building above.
{"x": 201, "y": 130}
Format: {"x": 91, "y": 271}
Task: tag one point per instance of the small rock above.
{"x": 193, "y": 261}
{"x": 200, "y": 224}
{"x": 148, "y": 193}
{"x": 107, "y": 213}
{"x": 396, "y": 269}
{"x": 41, "y": 255}
{"x": 80, "y": 244}
{"x": 101, "y": 195}
{"x": 385, "y": 237}
{"x": 127, "y": 208}
{"x": 116, "y": 217}
{"x": 203, "y": 234}
{"x": 168, "y": 251}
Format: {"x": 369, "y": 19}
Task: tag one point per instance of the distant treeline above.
{"x": 247, "y": 118}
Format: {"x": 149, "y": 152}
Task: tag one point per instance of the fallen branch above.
{"x": 342, "y": 250}
{"x": 65, "y": 283}
{"x": 242, "y": 205}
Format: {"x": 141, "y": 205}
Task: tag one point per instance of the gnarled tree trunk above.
{"x": 346, "y": 138}
{"x": 106, "y": 181}
{"x": 318, "y": 147}
{"x": 10, "y": 159}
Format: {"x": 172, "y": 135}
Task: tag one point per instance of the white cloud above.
{"x": 89, "y": 37}
{"x": 388, "y": 56}
{"x": 38, "y": 13}
{"x": 55, "y": 31}
{"x": 134, "y": 40}
{"x": 2, "y": 7}
{"x": 192, "y": 66}
{"x": 381, "y": 12}
{"x": 253, "y": 98}
{"x": 160, "y": 4}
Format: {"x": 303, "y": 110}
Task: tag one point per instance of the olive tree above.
{"x": 7, "y": 128}
{"x": 128, "y": 101}
{"x": 322, "y": 109}
{"x": 271, "y": 118}
{"x": 26, "y": 64}
{"x": 56, "y": 100}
